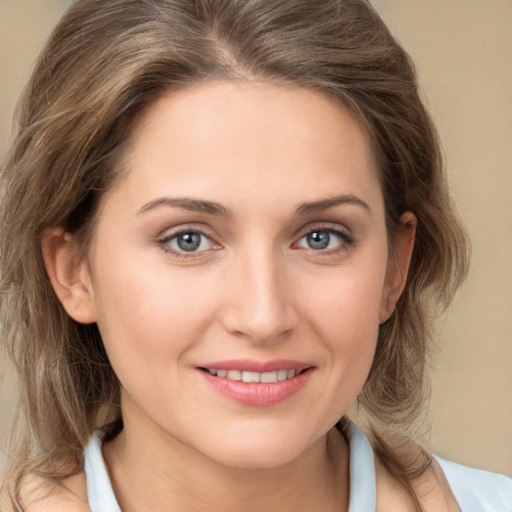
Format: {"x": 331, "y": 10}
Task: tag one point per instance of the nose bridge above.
{"x": 261, "y": 304}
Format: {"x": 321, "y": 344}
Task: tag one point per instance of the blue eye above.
{"x": 324, "y": 239}
{"x": 188, "y": 241}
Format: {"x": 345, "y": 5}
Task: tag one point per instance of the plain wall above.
{"x": 463, "y": 49}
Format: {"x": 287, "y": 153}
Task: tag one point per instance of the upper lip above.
{"x": 249, "y": 365}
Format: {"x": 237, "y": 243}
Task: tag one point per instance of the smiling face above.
{"x": 246, "y": 242}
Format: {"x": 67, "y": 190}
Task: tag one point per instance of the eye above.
{"x": 325, "y": 239}
{"x": 189, "y": 241}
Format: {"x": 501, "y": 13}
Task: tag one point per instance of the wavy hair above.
{"x": 103, "y": 65}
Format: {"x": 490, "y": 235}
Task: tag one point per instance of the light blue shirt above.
{"x": 475, "y": 490}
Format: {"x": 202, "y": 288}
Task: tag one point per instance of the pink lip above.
{"x": 258, "y": 394}
{"x": 249, "y": 365}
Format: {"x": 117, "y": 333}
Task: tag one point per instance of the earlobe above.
{"x": 69, "y": 275}
{"x": 398, "y": 265}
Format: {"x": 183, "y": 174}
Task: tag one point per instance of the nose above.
{"x": 260, "y": 305}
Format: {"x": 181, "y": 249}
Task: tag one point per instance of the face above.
{"x": 239, "y": 271}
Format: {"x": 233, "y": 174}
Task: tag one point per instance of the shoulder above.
{"x": 477, "y": 490}
{"x": 40, "y": 495}
{"x": 430, "y": 489}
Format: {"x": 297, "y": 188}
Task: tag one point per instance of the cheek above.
{"x": 148, "y": 318}
{"x": 347, "y": 301}
{"x": 344, "y": 313}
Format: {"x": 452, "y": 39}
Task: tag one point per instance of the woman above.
{"x": 223, "y": 223}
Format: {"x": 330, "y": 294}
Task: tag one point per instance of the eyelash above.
{"x": 164, "y": 242}
{"x": 345, "y": 239}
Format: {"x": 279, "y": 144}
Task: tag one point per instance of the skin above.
{"x": 254, "y": 289}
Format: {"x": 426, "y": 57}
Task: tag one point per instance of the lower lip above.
{"x": 259, "y": 394}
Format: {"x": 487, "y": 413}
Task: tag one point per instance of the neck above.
{"x": 157, "y": 472}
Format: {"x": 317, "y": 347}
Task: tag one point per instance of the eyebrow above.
{"x": 331, "y": 202}
{"x": 213, "y": 208}
{"x": 186, "y": 203}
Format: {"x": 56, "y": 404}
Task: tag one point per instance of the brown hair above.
{"x": 104, "y": 64}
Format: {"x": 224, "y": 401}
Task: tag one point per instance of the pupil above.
{"x": 318, "y": 240}
{"x": 189, "y": 241}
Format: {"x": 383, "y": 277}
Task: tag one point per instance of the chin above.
{"x": 259, "y": 458}
{"x": 263, "y": 451}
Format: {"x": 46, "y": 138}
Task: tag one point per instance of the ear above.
{"x": 69, "y": 275}
{"x": 398, "y": 265}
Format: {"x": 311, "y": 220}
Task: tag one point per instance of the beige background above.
{"x": 463, "y": 49}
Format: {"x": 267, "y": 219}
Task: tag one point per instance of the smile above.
{"x": 257, "y": 384}
{"x": 248, "y": 376}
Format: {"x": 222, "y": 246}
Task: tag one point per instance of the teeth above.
{"x": 282, "y": 375}
{"x": 234, "y": 375}
{"x": 268, "y": 377}
{"x": 250, "y": 376}
{"x": 245, "y": 376}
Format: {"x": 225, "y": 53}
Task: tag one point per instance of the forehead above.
{"x": 238, "y": 138}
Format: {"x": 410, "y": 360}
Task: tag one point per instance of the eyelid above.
{"x": 346, "y": 237}
{"x": 168, "y": 234}
{"x": 325, "y": 226}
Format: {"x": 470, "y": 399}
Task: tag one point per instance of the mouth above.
{"x": 254, "y": 383}
{"x": 250, "y": 376}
